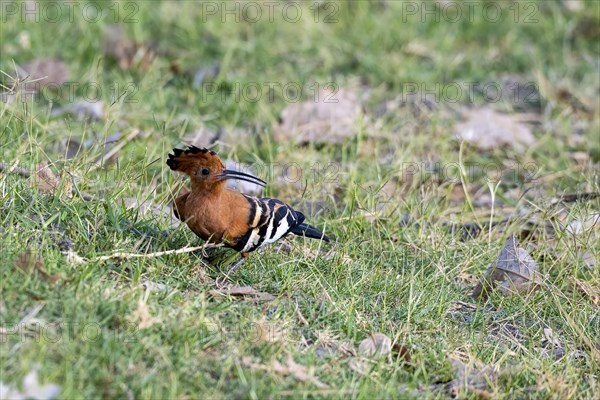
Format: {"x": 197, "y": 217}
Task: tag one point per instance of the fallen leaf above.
{"x": 487, "y": 129}
{"x": 473, "y": 378}
{"x": 247, "y": 362}
{"x": 298, "y": 371}
{"x": 154, "y": 286}
{"x": 33, "y": 263}
{"x": 329, "y": 343}
{"x": 44, "y": 178}
{"x": 46, "y": 182}
{"x": 245, "y": 292}
{"x": 74, "y": 258}
{"x": 31, "y": 389}
{"x": 514, "y": 271}
{"x": 291, "y": 367}
{"x": 128, "y": 53}
{"x": 560, "y": 94}
{"x": 420, "y": 49}
{"x": 588, "y": 290}
{"x": 269, "y": 332}
{"x": 359, "y": 365}
{"x": 375, "y": 345}
{"x": 44, "y": 72}
{"x": 142, "y": 317}
{"x": 332, "y": 119}
{"x": 401, "y": 352}
{"x": 551, "y": 338}
{"x": 585, "y": 224}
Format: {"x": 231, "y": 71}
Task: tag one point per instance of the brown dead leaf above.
{"x": 298, "y": 371}
{"x": 142, "y": 317}
{"x": 420, "y": 49}
{"x": 401, "y": 352}
{"x": 514, "y": 271}
{"x": 487, "y": 129}
{"x": 33, "y": 263}
{"x": 375, "y": 345}
{"x": 247, "y": 362}
{"x": 329, "y": 343}
{"x": 589, "y": 290}
{"x": 560, "y": 94}
{"x": 244, "y": 292}
{"x": 73, "y": 258}
{"x": 565, "y": 96}
{"x": 44, "y": 72}
{"x": 359, "y": 365}
{"x": 290, "y": 367}
{"x": 270, "y": 332}
{"x": 45, "y": 180}
{"x": 154, "y": 286}
{"x": 332, "y": 119}
{"x": 473, "y": 377}
{"x": 128, "y": 53}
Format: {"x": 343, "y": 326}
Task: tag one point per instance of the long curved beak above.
{"x": 231, "y": 174}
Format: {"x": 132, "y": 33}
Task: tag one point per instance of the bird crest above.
{"x": 191, "y": 161}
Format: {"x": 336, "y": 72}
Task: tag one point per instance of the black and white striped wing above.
{"x": 269, "y": 220}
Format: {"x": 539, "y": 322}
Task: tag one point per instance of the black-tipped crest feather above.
{"x": 174, "y": 161}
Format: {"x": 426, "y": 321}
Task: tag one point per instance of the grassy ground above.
{"x": 155, "y": 328}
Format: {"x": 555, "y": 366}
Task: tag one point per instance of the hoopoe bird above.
{"x": 220, "y": 215}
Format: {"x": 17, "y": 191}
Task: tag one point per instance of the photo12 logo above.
{"x": 457, "y": 11}
{"x": 253, "y": 92}
{"x": 69, "y": 11}
{"x": 269, "y": 11}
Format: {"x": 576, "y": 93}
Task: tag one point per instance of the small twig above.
{"x": 183, "y": 250}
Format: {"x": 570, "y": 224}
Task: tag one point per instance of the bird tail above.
{"x": 309, "y": 231}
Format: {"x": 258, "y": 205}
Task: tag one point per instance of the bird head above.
{"x": 205, "y": 168}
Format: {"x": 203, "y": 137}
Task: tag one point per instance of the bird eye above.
{"x": 205, "y": 171}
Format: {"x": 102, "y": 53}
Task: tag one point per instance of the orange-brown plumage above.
{"x": 221, "y": 215}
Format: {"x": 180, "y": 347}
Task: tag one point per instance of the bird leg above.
{"x": 238, "y": 263}
{"x": 221, "y": 280}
